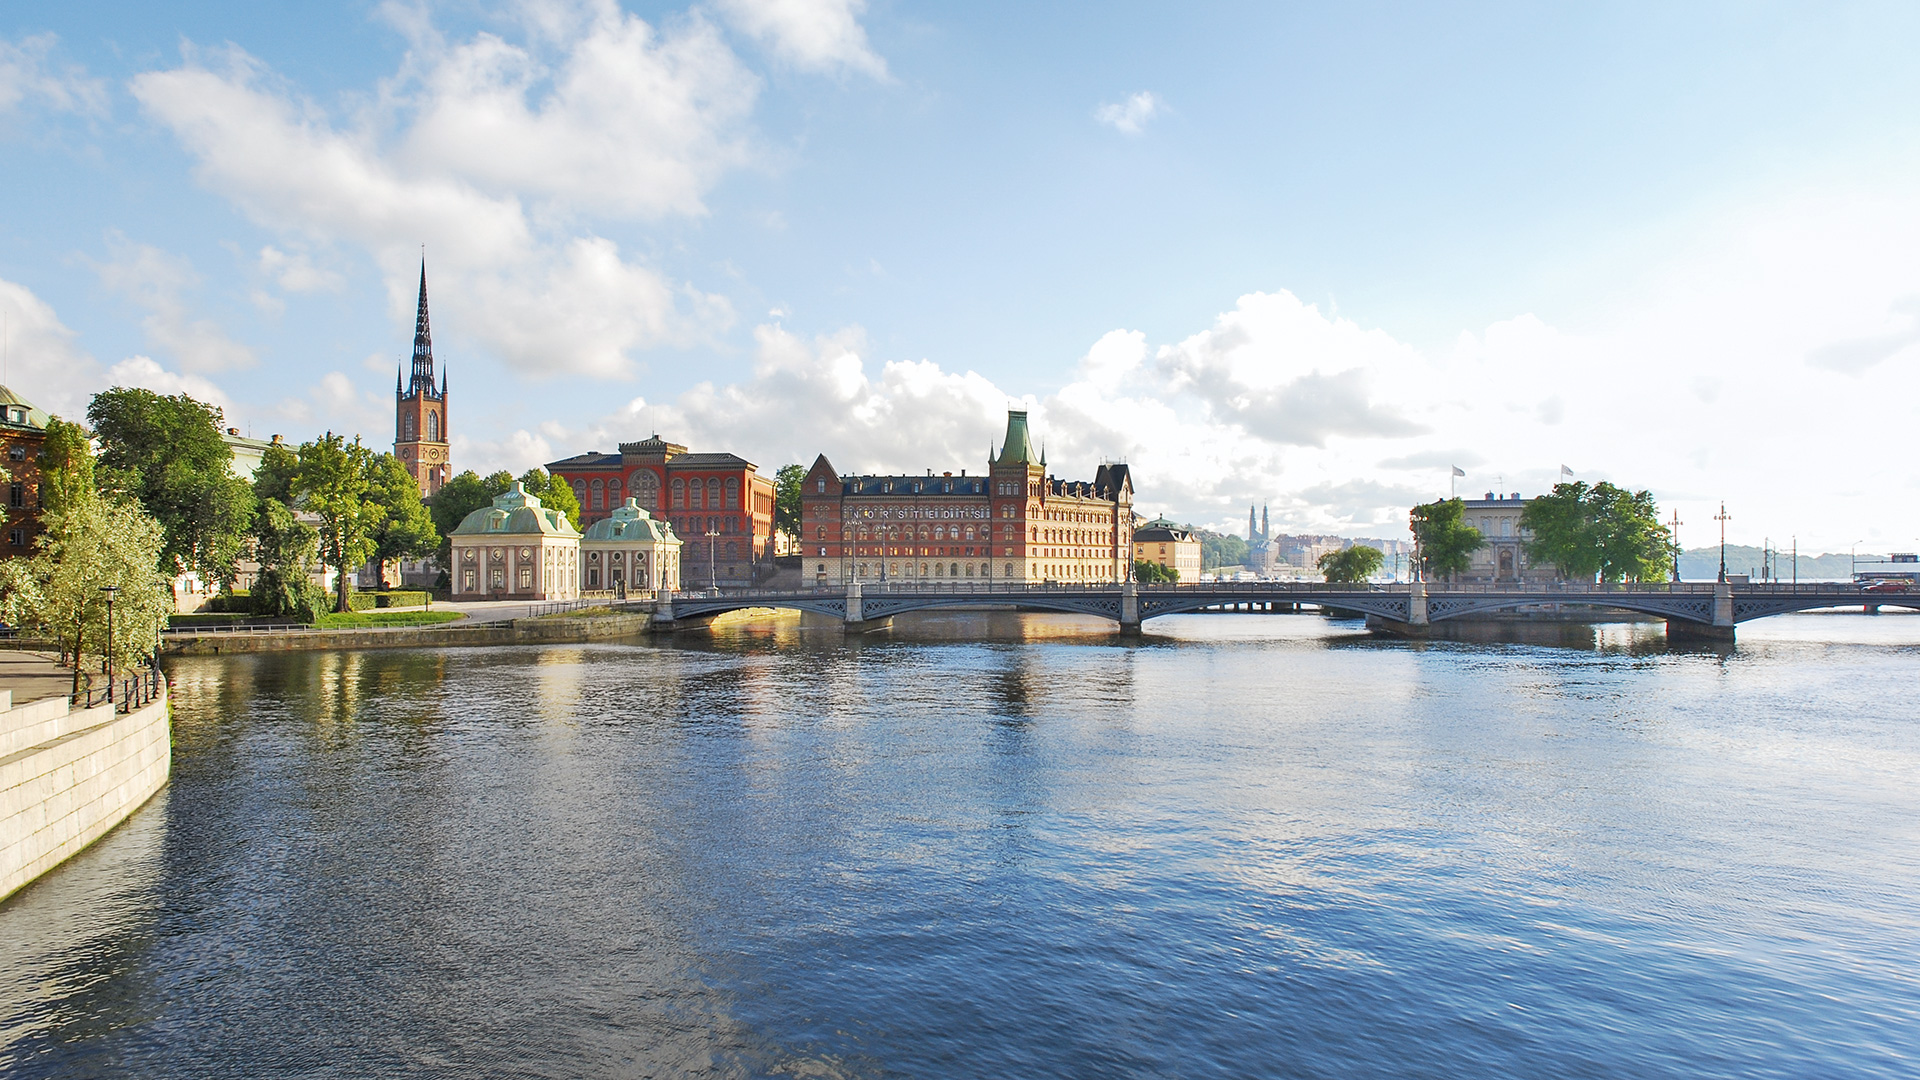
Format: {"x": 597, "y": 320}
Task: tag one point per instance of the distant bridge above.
{"x": 1691, "y": 609}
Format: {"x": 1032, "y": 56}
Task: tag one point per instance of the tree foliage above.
{"x": 334, "y": 483}
{"x": 1603, "y": 532}
{"x": 167, "y": 453}
{"x": 786, "y": 499}
{"x": 1148, "y": 572}
{"x": 89, "y": 541}
{"x": 1446, "y": 542}
{"x": 287, "y": 549}
{"x": 1219, "y": 549}
{"x": 1351, "y": 564}
{"x": 406, "y": 528}
{"x": 553, "y": 492}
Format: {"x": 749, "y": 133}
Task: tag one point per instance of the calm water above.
{"x": 1247, "y": 846}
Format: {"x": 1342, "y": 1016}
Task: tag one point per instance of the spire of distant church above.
{"x": 422, "y": 339}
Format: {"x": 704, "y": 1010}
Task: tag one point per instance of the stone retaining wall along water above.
{"x": 69, "y": 775}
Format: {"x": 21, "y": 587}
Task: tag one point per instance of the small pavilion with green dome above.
{"x": 516, "y": 549}
{"x": 628, "y": 551}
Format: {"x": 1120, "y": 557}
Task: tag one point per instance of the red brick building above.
{"x": 719, "y": 504}
{"x": 420, "y": 409}
{"x": 1015, "y": 523}
{"x": 23, "y": 432}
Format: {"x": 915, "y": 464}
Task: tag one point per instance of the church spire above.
{"x": 422, "y": 340}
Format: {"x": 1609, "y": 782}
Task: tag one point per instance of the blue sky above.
{"x": 1301, "y": 255}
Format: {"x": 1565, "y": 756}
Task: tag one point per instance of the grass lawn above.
{"x": 359, "y": 620}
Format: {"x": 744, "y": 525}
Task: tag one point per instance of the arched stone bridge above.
{"x": 1691, "y": 609}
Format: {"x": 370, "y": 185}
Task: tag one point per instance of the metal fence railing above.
{"x": 125, "y": 692}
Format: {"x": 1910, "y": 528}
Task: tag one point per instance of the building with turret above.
{"x": 420, "y": 438}
{"x": 1015, "y": 523}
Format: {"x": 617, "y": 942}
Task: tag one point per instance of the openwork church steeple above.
{"x": 420, "y": 437}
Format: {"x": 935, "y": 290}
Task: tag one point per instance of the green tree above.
{"x": 458, "y": 497}
{"x": 273, "y": 477}
{"x": 334, "y": 483}
{"x": 1601, "y": 531}
{"x": 1351, "y": 564}
{"x": 287, "y": 549}
{"x": 406, "y": 528}
{"x": 786, "y": 499}
{"x": 89, "y": 541}
{"x": 553, "y": 492}
{"x": 1219, "y": 549}
{"x": 1446, "y": 542}
{"x": 167, "y": 453}
{"x": 1148, "y": 572}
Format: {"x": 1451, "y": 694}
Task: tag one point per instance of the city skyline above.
{"x": 1311, "y": 259}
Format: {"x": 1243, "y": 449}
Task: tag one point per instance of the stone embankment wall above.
{"x": 68, "y": 776}
{"x": 549, "y": 631}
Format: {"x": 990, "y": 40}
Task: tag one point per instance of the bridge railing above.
{"x": 1276, "y": 589}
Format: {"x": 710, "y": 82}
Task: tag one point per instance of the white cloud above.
{"x": 42, "y": 362}
{"x": 1129, "y": 116}
{"x": 146, "y": 372}
{"x": 488, "y": 151}
{"x": 296, "y": 272}
{"x": 812, "y": 35}
{"x": 29, "y": 74}
{"x": 155, "y": 280}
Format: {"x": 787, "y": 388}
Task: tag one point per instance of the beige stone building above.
{"x": 516, "y": 549}
{"x": 1161, "y": 541}
{"x": 1503, "y": 557}
{"x": 629, "y": 551}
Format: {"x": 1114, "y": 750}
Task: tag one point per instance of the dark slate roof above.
{"x": 653, "y": 444}
{"x": 1161, "y": 532}
{"x": 904, "y": 485}
{"x": 709, "y": 461}
{"x": 592, "y": 459}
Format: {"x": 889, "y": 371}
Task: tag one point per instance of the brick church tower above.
{"x": 420, "y": 409}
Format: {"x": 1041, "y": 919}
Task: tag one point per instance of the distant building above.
{"x": 23, "y": 433}
{"x": 718, "y": 504}
{"x": 420, "y": 409}
{"x": 1503, "y": 556}
{"x": 515, "y": 549}
{"x": 1161, "y": 541}
{"x": 1016, "y": 523}
{"x": 629, "y": 550}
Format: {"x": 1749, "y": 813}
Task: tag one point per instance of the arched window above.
{"x": 822, "y": 533}
{"x": 679, "y": 494}
{"x": 733, "y": 493}
{"x": 713, "y": 493}
{"x": 613, "y": 492}
{"x": 1009, "y": 569}
{"x": 580, "y": 492}
{"x": 406, "y": 429}
{"x": 433, "y": 426}
{"x": 599, "y": 495}
{"x": 953, "y": 569}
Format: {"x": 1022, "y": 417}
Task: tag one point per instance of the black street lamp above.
{"x": 106, "y": 662}
{"x": 713, "y": 558}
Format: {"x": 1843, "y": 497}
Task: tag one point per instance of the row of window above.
{"x": 433, "y": 427}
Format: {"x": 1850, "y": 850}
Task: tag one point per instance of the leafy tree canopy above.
{"x": 1446, "y": 542}
{"x": 334, "y": 482}
{"x": 786, "y": 499}
{"x": 1601, "y": 531}
{"x": 1351, "y": 564}
{"x": 167, "y": 453}
{"x": 553, "y": 491}
{"x": 1219, "y": 549}
{"x": 88, "y": 542}
{"x": 407, "y": 531}
{"x": 1148, "y": 572}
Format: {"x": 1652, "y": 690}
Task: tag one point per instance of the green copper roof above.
{"x": 632, "y": 524}
{"x": 1018, "y": 446}
{"x": 36, "y": 417}
{"x": 516, "y": 513}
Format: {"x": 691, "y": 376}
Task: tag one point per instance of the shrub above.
{"x": 402, "y": 598}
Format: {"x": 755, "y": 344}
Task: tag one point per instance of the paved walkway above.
{"x": 33, "y": 676}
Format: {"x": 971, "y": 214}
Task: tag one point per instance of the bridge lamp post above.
{"x": 713, "y": 561}
{"x": 1723, "y": 517}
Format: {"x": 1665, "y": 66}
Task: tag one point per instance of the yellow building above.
{"x": 1161, "y": 541}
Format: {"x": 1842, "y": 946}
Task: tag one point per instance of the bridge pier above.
{"x": 664, "y": 621}
{"x": 1417, "y": 624}
{"x": 857, "y": 621}
{"x": 1130, "y": 609}
{"x": 1718, "y": 631}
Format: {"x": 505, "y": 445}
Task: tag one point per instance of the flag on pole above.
{"x": 1458, "y": 471}
{"x": 1565, "y": 472}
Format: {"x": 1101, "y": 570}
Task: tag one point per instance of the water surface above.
{"x": 1243, "y": 846}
